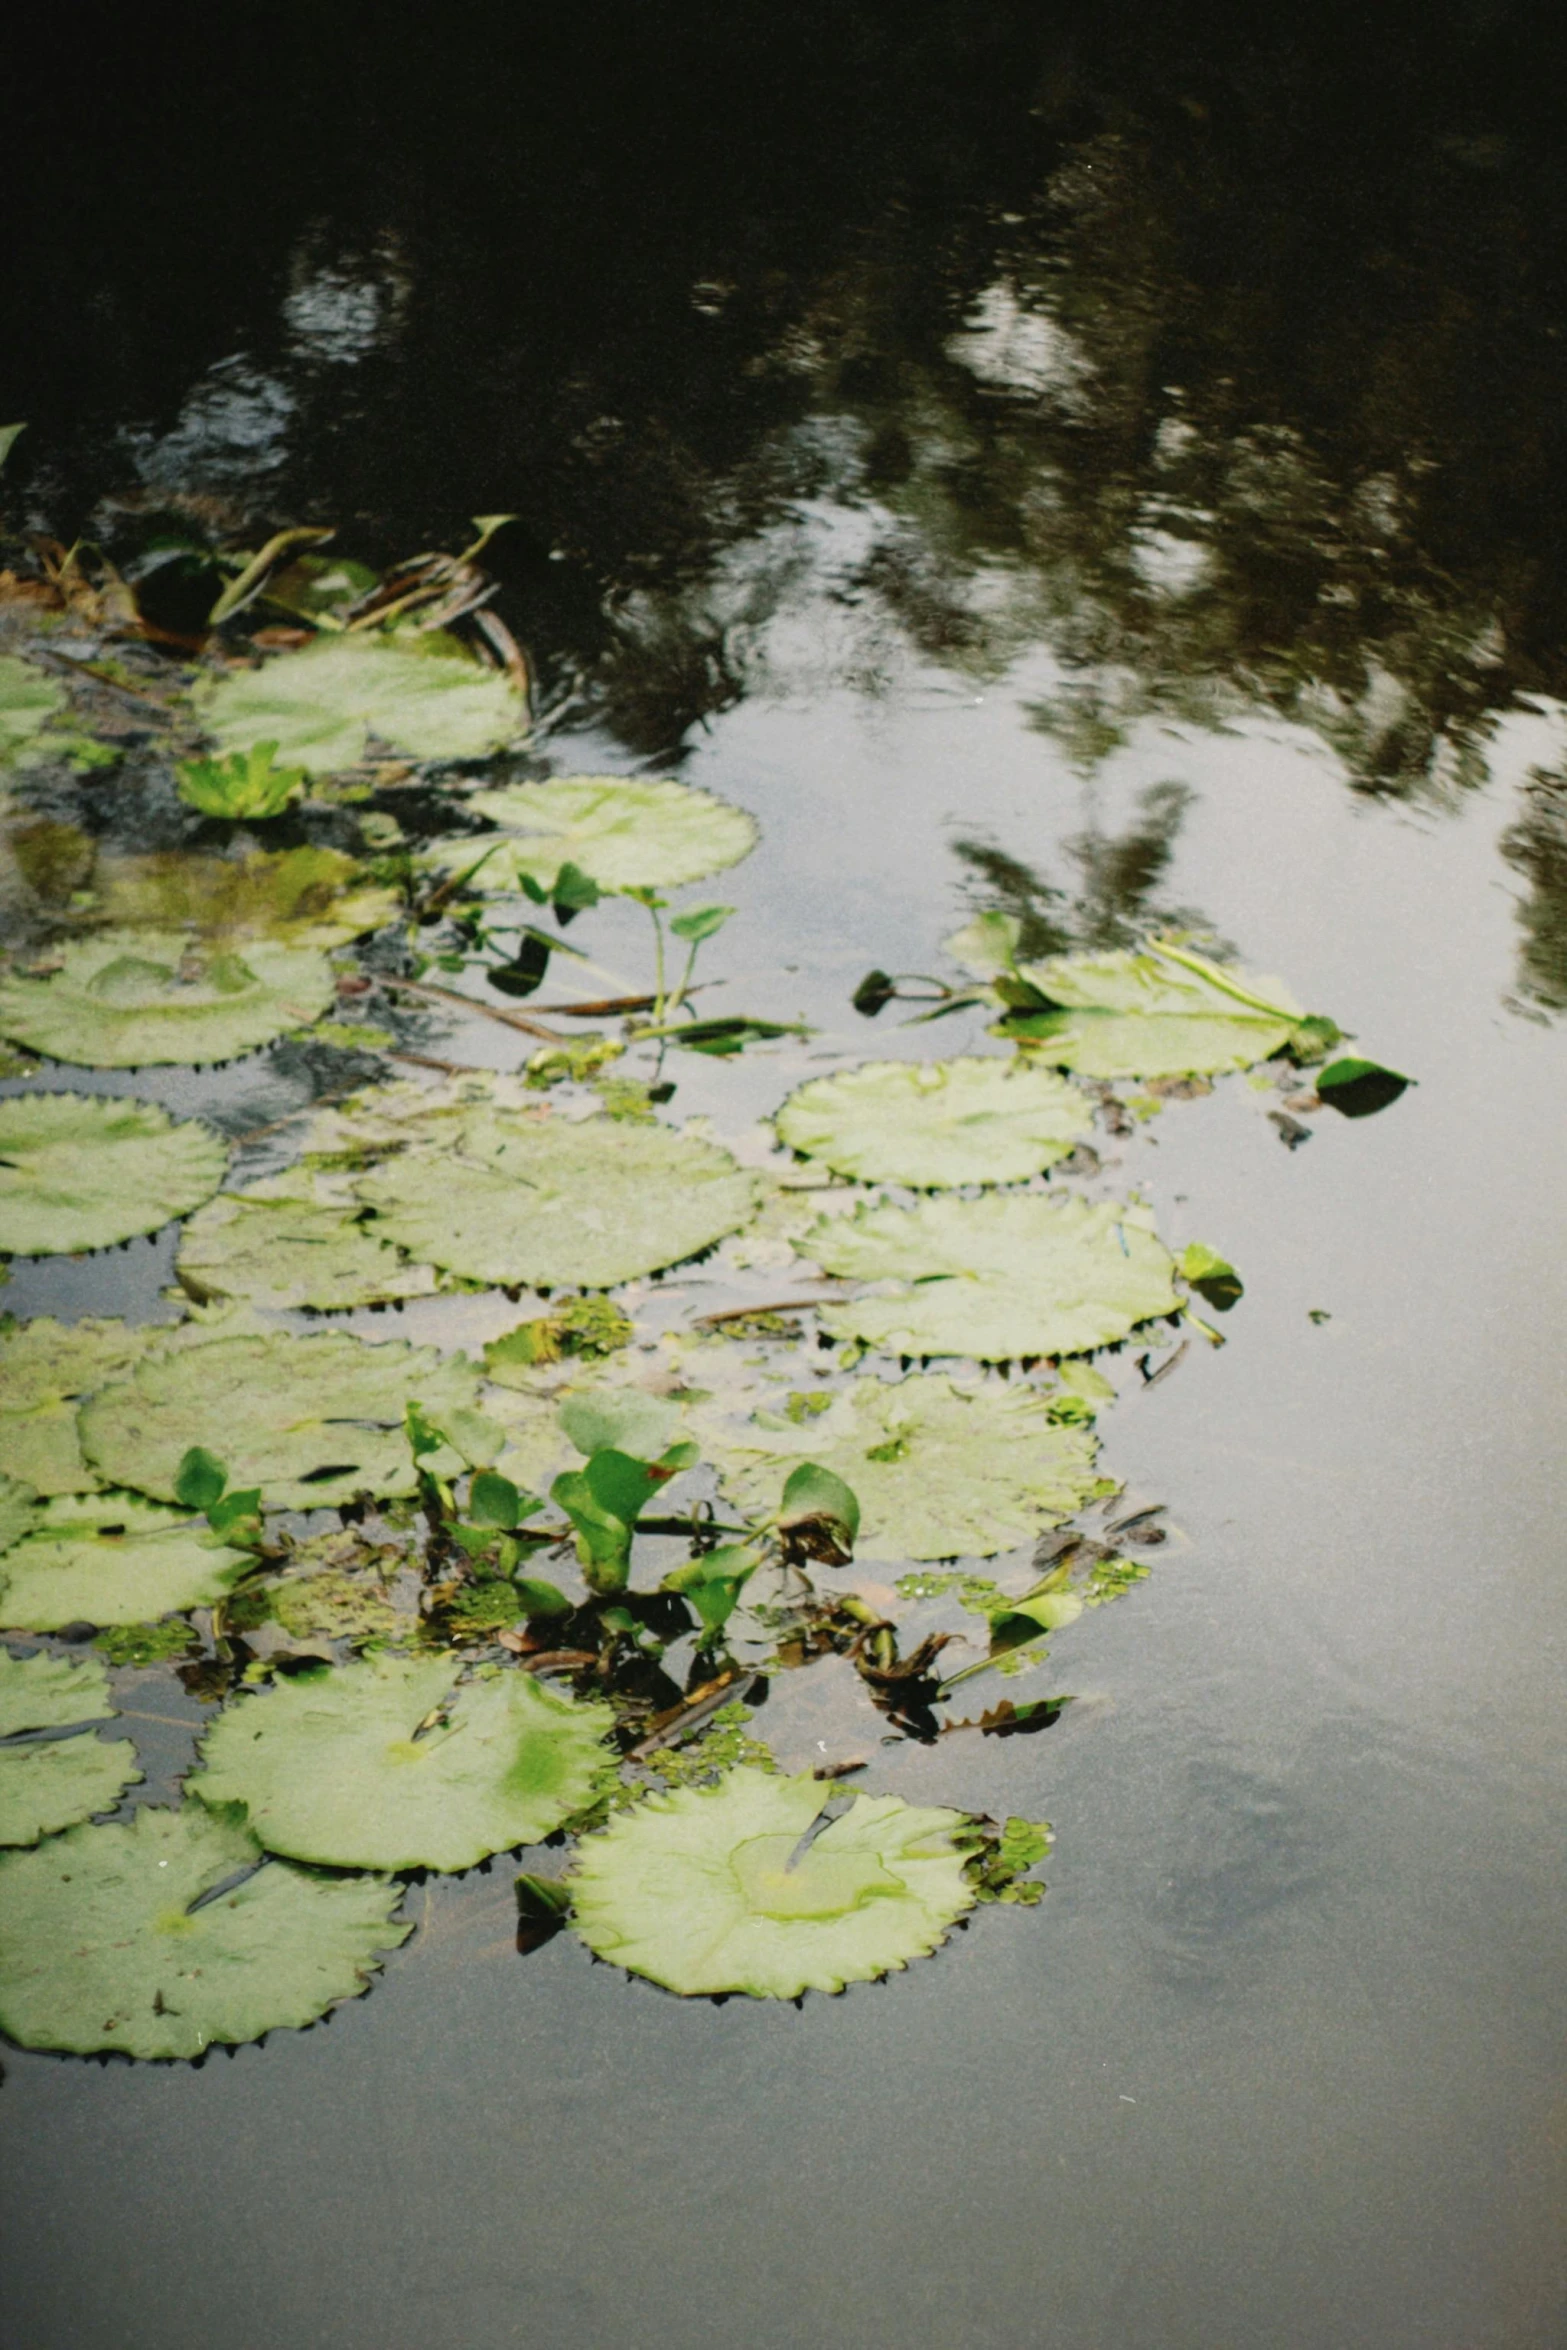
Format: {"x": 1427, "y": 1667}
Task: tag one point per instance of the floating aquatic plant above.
{"x": 307, "y": 896}
{"x": 46, "y": 1785}
{"x": 111, "y": 1558}
{"x": 283, "y": 1245}
{"x": 584, "y": 1203}
{"x": 624, "y": 833}
{"x": 996, "y": 1278}
{"x": 933, "y": 1124}
{"x": 123, "y": 999}
{"x": 81, "y": 1171}
{"x": 307, "y": 1420}
{"x": 45, "y": 1366}
{"x": 388, "y": 1765}
{"x": 941, "y": 1470}
{"x": 319, "y": 707}
{"x": 246, "y": 787}
{"x": 713, "y": 1889}
{"x": 120, "y": 1938}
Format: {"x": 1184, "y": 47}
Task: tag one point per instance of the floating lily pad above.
{"x": 1162, "y": 1013}
{"x": 58, "y": 1782}
{"x": 103, "y": 1944}
{"x": 706, "y": 1889}
{"x": 930, "y": 1124}
{"x": 112, "y": 1558}
{"x": 82, "y": 1171}
{"x": 624, "y": 832}
{"x": 50, "y": 1692}
{"x": 309, "y": 1421}
{"x": 28, "y": 700}
{"x": 306, "y": 897}
{"x": 281, "y": 1246}
{"x": 941, "y": 1471}
{"x": 554, "y": 1202}
{"x": 18, "y": 1509}
{"x": 123, "y": 999}
{"x": 320, "y": 706}
{"x": 996, "y": 1278}
{"x": 44, "y": 1366}
{"x": 329, "y": 1766}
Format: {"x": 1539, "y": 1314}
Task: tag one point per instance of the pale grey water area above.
{"x": 1009, "y": 461}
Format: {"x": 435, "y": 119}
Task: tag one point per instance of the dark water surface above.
{"x": 1109, "y": 464}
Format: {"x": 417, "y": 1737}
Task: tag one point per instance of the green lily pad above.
{"x": 321, "y": 705}
{"x": 112, "y": 1558}
{"x": 44, "y": 1366}
{"x": 282, "y": 1246}
{"x": 1164, "y": 1013}
{"x": 706, "y": 1890}
{"x": 81, "y": 1171}
{"x": 103, "y": 1945}
{"x": 28, "y": 700}
{"x": 306, "y": 897}
{"x": 930, "y": 1124}
{"x": 18, "y": 1510}
{"x": 310, "y": 1421}
{"x": 997, "y": 1278}
{"x": 51, "y": 1692}
{"x": 941, "y": 1471}
{"x": 55, "y": 1784}
{"x": 330, "y": 1766}
{"x": 553, "y": 1202}
{"x": 624, "y": 832}
{"x": 124, "y": 999}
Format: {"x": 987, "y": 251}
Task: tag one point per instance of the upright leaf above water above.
{"x": 623, "y": 832}
{"x": 121, "y": 999}
{"x": 80, "y": 1171}
{"x": 708, "y": 1889}
{"x": 932, "y": 1124}
{"x": 349, "y": 1768}
{"x": 997, "y": 1278}
{"x": 308, "y": 1420}
{"x": 109, "y": 1939}
{"x": 320, "y": 706}
{"x": 247, "y": 786}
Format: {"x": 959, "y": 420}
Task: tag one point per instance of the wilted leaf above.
{"x": 622, "y": 832}
{"x": 82, "y": 1171}
{"x": 306, "y": 897}
{"x": 103, "y": 1945}
{"x": 708, "y": 1889}
{"x": 931, "y": 1124}
{"x": 123, "y": 999}
{"x": 996, "y": 1278}
{"x": 308, "y": 1420}
{"x": 329, "y": 1766}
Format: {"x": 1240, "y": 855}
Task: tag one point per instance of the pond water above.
{"x": 1110, "y": 474}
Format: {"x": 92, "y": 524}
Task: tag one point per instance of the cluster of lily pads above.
{"x": 448, "y": 1604}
